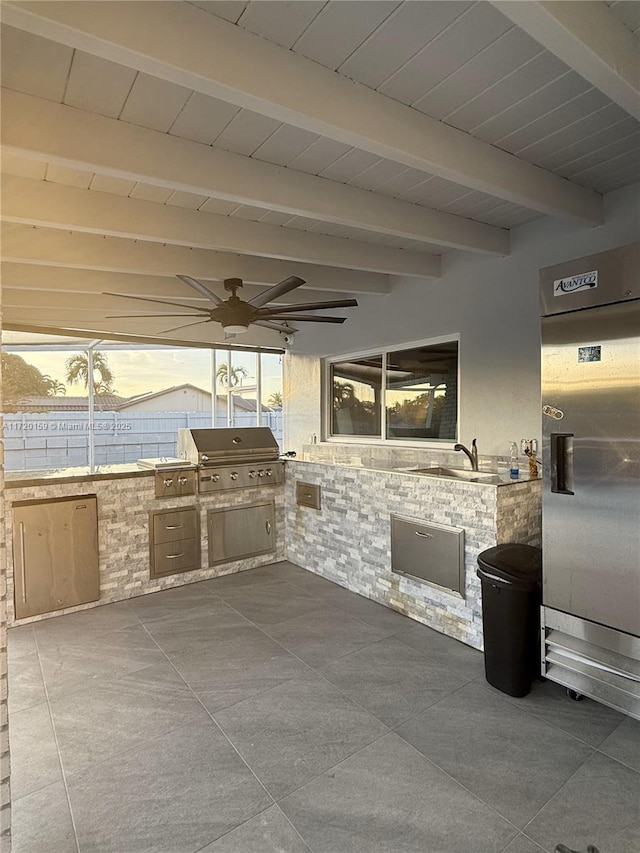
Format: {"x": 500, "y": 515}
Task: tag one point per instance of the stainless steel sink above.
{"x": 457, "y": 474}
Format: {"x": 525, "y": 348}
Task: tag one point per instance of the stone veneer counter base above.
{"x": 348, "y": 540}
{"x": 124, "y": 503}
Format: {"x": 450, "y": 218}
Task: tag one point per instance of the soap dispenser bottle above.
{"x": 514, "y": 465}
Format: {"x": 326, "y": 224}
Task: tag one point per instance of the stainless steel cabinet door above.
{"x": 55, "y": 555}
{"x": 241, "y": 532}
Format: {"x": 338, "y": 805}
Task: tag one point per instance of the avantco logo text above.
{"x": 563, "y": 286}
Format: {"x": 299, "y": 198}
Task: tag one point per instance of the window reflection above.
{"x": 357, "y": 396}
{"x": 421, "y": 392}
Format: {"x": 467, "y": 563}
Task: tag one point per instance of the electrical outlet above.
{"x": 530, "y": 444}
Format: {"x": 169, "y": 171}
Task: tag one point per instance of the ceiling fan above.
{"x": 235, "y": 315}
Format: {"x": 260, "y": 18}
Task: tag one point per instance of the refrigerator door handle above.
{"x": 562, "y": 463}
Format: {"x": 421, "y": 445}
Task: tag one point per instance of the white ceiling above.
{"x": 444, "y": 124}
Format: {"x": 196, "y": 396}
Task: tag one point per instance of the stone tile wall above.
{"x": 5, "y": 759}
{"x": 123, "y": 533}
{"x": 349, "y": 540}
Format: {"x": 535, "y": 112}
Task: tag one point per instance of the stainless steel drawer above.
{"x": 179, "y": 524}
{"x": 433, "y": 553}
{"x": 171, "y": 557}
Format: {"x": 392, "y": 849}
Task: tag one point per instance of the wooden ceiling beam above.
{"x": 587, "y": 37}
{"x": 53, "y": 247}
{"x": 187, "y": 46}
{"x": 51, "y": 205}
{"x": 43, "y": 130}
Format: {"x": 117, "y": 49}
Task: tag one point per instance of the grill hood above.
{"x": 228, "y": 445}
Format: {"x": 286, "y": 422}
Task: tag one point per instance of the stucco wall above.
{"x": 491, "y": 302}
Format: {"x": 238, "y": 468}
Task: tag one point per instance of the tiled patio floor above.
{"x": 273, "y": 712}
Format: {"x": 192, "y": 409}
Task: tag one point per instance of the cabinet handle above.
{"x": 268, "y": 526}
{"x": 23, "y": 573}
{"x": 173, "y": 526}
{"x": 424, "y": 535}
{"x": 175, "y": 556}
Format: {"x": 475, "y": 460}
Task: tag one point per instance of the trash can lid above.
{"x": 515, "y": 565}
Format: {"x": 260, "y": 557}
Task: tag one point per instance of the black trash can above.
{"x": 511, "y": 578}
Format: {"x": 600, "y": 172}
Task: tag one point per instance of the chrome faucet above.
{"x": 472, "y": 454}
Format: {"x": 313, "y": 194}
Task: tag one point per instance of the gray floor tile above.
{"x": 443, "y": 650}
{"x": 179, "y": 603}
{"x": 302, "y": 578}
{"x": 269, "y": 832}
{"x": 270, "y": 603}
{"x": 178, "y": 792}
{"x": 41, "y": 822}
{"x": 291, "y": 733}
{"x": 389, "y": 799}
{"x": 241, "y": 663}
{"x": 26, "y": 685}
{"x": 74, "y": 659}
{"x": 115, "y": 715}
{"x": 106, "y": 617}
{"x": 510, "y": 759}
{"x": 370, "y": 611}
{"x": 522, "y": 844}
{"x": 34, "y": 755}
{"x": 599, "y": 805}
{"x": 183, "y": 636}
{"x": 391, "y": 680}
{"x": 624, "y": 743}
{"x": 239, "y": 580}
{"x": 324, "y": 635}
{"x": 588, "y": 720}
{"x": 21, "y": 641}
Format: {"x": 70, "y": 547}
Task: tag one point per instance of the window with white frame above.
{"x": 404, "y": 394}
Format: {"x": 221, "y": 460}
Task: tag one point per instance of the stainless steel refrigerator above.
{"x": 591, "y": 477}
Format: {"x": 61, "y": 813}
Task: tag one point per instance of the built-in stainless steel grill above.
{"x": 233, "y": 457}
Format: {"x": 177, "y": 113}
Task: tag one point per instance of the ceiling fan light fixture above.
{"x": 235, "y": 329}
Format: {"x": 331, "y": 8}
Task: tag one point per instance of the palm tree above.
{"x": 275, "y": 400}
{"x": 237, "y": 374}
{"x": 78, "y": 371}
{"x": 54, "y": 385}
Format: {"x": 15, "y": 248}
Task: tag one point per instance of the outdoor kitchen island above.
{"x": 348, "y": 540}
{"x": 126, "y": 495}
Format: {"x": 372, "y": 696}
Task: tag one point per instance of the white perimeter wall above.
{"x": 492, "y": 303}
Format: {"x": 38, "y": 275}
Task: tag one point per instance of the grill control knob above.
{"x": 215, "y": 478}
{"x": 204, "y": 457}
{"x": 269, "y": 472}
{"x": 252, "y": 474}
{"x": 183, "y": 481}
{"x": 168, "y": 483}
{"x": 234, "y": 475}
{"x": 261, "y": 473}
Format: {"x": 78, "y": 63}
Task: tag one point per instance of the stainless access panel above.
{"x": 432, "y": 553}
{"x": 308, "y": 494}
{"x": 55, "y": 554}
{"x": 591, "y": 452}
{"x": 243, "y": 531}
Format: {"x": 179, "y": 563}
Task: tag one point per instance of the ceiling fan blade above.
{"x": 284, "y": 286}
{"x": 193, "y": 282}
{"x": 309, "y": 306}
{"x": 131, "y": 316}
{"x": 309, "y": 318}
{"x": 275, "y": 326}
{"x": 157, "y": 301}
{"x": 183, "y": 326}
